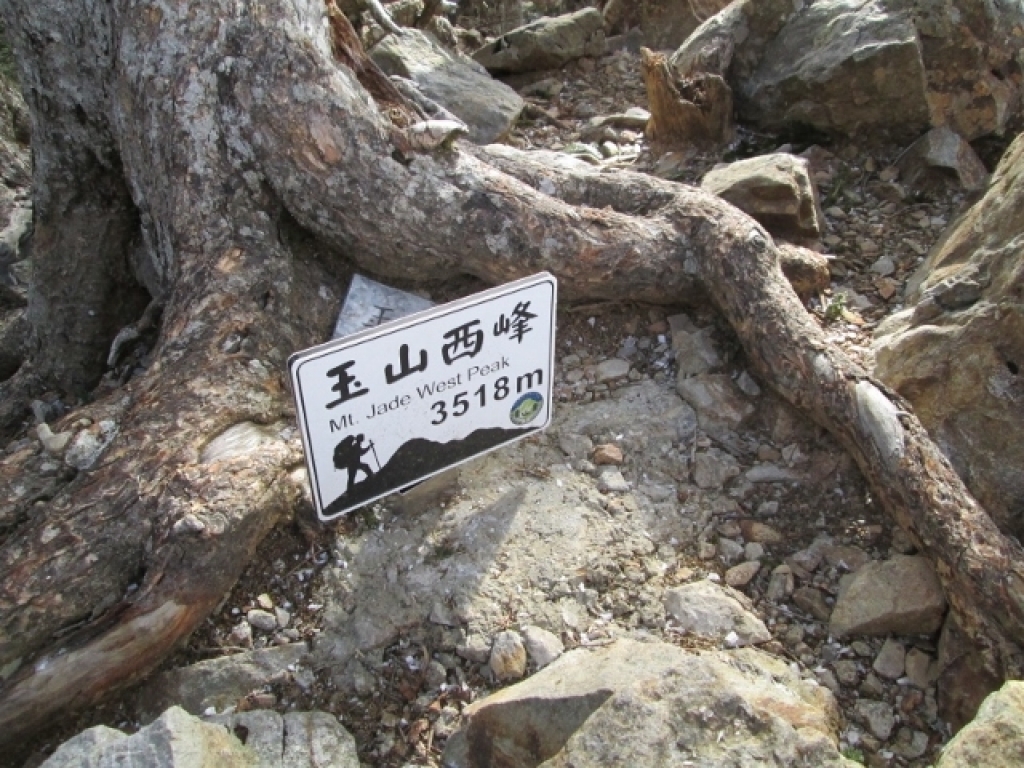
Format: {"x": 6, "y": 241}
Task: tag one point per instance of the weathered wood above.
{"x": 694, "y": 111}
{"x": 348, "y": 51}
{"x": 233, "y": 123}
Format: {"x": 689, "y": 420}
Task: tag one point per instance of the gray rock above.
{"x": 442, "y": 614}
{"x": 753, "y": 551}
{"x": 808, "y": 559}
{"x": 84, "y": 749}
{"x": 611, "y": 370}
{"x": 543, "y": 647}
{"x": 771, "y": 473}
{"x": 175, "y": 740}
{"x": 940, "y": 157}
{"x": 651, "y": 704}
{"x": 862, "y": 649}
{"x": 547, "y": 43}
{"x": 813, "y": 602}
{"x": 576, "y": 446}
{"x": 610, "y": 480}
{"x": 742, "y": 574}
{"x": 475, "y": 649}
{"x": 730, "y": 551}
{"x": 791, "y": 61}
{"x": 890, "y": 662}
{"x": 217, "y": 683}
{"x": 995, "y": 738}
{"x": 781, "y": 584}
{"x": 910, "y": 744}
{"x": 846, "y": 557}
{"x": 720, "y": 405}
{"x": 436, "y": 675}
{"x": 820, "y": 70}
{"x": 967, "y": 308}
{"x": 747, "y": 385}
{"x": 714, "y": 468}
{"x": 666, "y": 25}
{"x": 872, "y": 686}
{"x": 847, "y": 672}
{"x": 296, "y": 740}
{"x": 508, "y": 656}
{"x": 262, "y": 620}
{"x": 884, "y": 266}
{"x": 681, "y": 323}
{"x": 647, "y": 408}
{"x": 356, "y": 677}
{"x": 696, "y": 353}
{"x": 489, "y": 108}
{"x": 316, "y": 739}
{"x": 241, "y": 635}
{"x": 707, "y": 550}
{"x": 827, "y": 678}
{"x": 263, "y": 731}
{"x": 775, "y": 189}
{"x": 919, "y": 668}
{"x": 708, "y": 610}
{"x": 877, "y": 716}
{"x": 897, "y": 596}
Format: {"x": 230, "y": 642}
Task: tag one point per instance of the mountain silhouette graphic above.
{"x": 418, "y": 458}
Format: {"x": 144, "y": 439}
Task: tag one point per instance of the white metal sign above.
{"x": 387, "y": 407}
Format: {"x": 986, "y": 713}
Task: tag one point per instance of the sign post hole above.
{"x": 387, "y": 407}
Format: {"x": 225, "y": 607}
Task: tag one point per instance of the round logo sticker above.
{"x": 526, "y": 408}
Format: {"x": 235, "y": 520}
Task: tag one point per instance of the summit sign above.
{"x": 387, "y": 407}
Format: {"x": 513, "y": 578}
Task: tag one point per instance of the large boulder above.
{"x": 547, "y": 43}
{"x": 217, "y": 683}
{"x": 845, "y": 66}
{"x": 841, "y": 66}
{"x": 957, "y": 351}
{"x": 775, "y": 189}
{"x": 179, "y": 740}
{"x": 293, "y": 740}
{"x": 972, "y": 53}
{"x": 719, "y": 613}
{"x": 652, "y": 704}
{"x": 939, "y": 159}
{"x": 899, "y": 596}
{"x": 460, "y": 85}
{"x": 995, "y": 738}
{"x": 666, "y": 24}
{"x": 175, "y": 740}
{"x": 732, "y": 42}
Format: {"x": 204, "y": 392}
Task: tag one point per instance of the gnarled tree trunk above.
{"x": 184, "y": 152}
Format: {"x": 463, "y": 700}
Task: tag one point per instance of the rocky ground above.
{"x": 647, "y": 482}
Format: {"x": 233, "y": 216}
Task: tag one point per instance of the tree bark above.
{"x": 226, "y": 157}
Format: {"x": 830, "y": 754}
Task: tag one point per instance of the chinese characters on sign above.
{"x": 400, "y": 402}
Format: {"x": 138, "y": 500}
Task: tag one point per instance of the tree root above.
{"x": 173, "y": 510}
